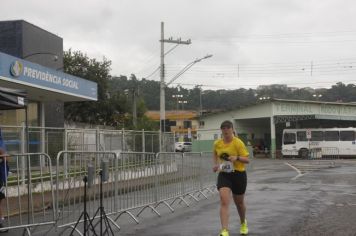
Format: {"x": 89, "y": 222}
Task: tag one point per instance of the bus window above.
{"x": 331, "y": 135}
{"x": 289, "y": 138}
{"x": 302, "y": 136}
{"x": 347, "y": 136}
{"x": 317, "y": 136}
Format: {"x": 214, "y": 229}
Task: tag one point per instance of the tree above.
{"x": 127, "y": 89}
{"x": 100, "y": 112}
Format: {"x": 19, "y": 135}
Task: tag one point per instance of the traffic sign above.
{"x": 308, "y": 134}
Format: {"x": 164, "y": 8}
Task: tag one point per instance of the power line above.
{"x": 146, "y": 77}
{"x": 250, "y": 70}
{"x": 281, "y": 36}
{"x": 239, "y": 85}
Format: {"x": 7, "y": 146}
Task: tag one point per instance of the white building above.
{"x": 263, "y": 123}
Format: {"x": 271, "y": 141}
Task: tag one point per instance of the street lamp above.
{"x": 317, "y": 96}
{"x": 264, "y": 98}
{"x": 187, "y": 67}
{"x": 55, "y": 56}
{"x": 200, "y": 101}
{"x": 183, "y": 102}
{"x": 177, "y": 96}
{"x": 164, "y": 85}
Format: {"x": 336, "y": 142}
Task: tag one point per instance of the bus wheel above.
{"x": 303, "y": 153}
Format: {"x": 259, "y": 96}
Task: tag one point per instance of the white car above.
{"x": 183, "y": 146}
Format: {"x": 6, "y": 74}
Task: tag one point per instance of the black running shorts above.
{"x": 236, "y": 181}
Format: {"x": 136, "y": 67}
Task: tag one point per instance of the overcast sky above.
{"x": 253, "y": 42}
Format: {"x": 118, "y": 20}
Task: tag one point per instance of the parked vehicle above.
{"x": 330, "y": 141}
{"x": 183, "y": 146}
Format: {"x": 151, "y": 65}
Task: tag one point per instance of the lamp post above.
{"x": 264, "y": 98}
{"x": 183, "y": 102}
{"x": 164, "y": 85}
{"x": 177, "y": 96}
{"x": 317, "y": 96}
{"x": 200, "y": 101}
{"x": 55, "y": 56}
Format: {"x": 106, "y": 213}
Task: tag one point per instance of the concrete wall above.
{"x": 202, "y": 145}
{"x": 11, "y": 38}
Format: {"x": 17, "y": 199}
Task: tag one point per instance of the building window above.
{"x": 201, "y": 124}
{"x": 317, "y": 136}
{"x": 347, "y": 136}
{"x": 187, "y": 124}
{"x": 331, "y": 136}
{"x": 17, "y": 117}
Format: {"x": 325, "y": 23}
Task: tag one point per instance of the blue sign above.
{"x": 2, "y": 143}
{"x": 24, "y": 72}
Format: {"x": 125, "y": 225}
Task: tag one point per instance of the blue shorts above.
{"x": 236, "y": 181}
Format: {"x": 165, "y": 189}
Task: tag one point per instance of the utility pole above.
{"x": 134, "y": 107}
{"x": 200, "y": 102}
{"x": 162, "y": 75}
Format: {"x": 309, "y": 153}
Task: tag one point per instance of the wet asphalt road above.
{"x": 284, "y": 197}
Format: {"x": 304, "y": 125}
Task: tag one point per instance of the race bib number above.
{"x": 227, "y": 167}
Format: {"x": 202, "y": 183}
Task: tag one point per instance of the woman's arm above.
{"x": 238, "y": 158}
{"x": 3, "y": 155}
{"x": 216, "y": 162}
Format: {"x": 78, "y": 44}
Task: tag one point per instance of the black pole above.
{"x": 101, "y": 210}
{"x": 101, "y": 202}
{"x": 85, "y": 179}
{"x": 84, "y": 214}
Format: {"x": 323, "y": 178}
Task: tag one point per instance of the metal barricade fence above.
{"x": 29, "y": 192}
{"x": 209, "y": 178}
{"x": 315, "y": 153}
{"x": 148, "y": 180}
{"x": 71, "y": 169}
{"x": 52, "y": 140}
{"x": 329, "y": 153}
{"x": 191, "y": 172}
{"x": 169, "y": 175}
{"x": 137, "y": 180}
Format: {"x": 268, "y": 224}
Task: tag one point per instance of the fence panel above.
{"x": 136, "y": 180}
{"x": 209, "y": 177}
{"x": 191, "y": 171}
{"x": 71, "y": 169}
{"x": 329, "y": 153}
{"x": 29, "y": 191}
{"x": 52, "y": 140}
{"x": 169, "y": 175}
{"x": 13, "y": 138}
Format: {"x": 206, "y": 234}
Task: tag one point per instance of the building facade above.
{"x": 183, "y": 123}
{"x": 26, "y": 41}
{"x": 262, "y": 124}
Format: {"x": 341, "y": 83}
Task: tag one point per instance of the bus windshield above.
{"x": 289, "y": 138}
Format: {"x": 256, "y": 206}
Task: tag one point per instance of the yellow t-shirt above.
{"x": 235, "y": 148}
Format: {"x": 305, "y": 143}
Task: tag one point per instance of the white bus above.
{"x": 328, "y": 141}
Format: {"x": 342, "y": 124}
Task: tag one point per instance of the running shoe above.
{"x": 244, "y": 228}
{"x": 224, "y": 232}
